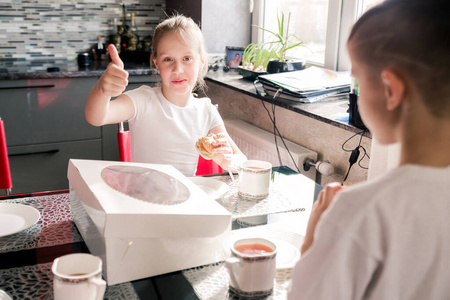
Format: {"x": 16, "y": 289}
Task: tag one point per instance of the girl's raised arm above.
{"x": 99, "y": 110}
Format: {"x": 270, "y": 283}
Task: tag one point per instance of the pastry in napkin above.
{"x": 205, "y": 147}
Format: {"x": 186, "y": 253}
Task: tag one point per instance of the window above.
{"x": 311, "y": 29}
{"x": 323, "y": 25}
{"x": 369, "y": 3}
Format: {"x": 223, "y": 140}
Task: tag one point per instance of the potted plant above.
{"x": 255, "y": 59}
{"x": 270, "y": 56}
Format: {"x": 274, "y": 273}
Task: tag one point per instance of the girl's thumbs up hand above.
{"x": 115, "y": 79}
{"x": 115, "y": 56}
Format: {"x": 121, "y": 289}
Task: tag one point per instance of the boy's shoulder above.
{"x": 377, "y": 187}
{"x": 396, "y": 188}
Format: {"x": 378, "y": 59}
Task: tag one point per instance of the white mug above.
{"x": 254, "y": 179}
{"x": 78, "y": 276}
{"x": 252, "y": 273}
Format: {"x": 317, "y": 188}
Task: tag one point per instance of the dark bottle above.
{"x": 114, "y": 38}
{"x": 123, "y": 31}
{"x": 133, "y": 38}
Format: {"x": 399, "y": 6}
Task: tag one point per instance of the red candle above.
{"x": 5, "y": 173}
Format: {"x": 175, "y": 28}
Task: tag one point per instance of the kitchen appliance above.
{"x": 83, "y": 59}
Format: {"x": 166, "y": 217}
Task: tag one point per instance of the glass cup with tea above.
{"x": 78, "y": 276}
{"x": 252, "y": 267}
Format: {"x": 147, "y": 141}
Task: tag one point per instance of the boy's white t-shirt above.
{"x": 163, "y": 133}
{"x": 388, "y": 238}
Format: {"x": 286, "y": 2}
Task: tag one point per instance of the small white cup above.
{"x": 252, "y": 275}
{"x": 254, "y": 179}
{"x": 78, "y": 276}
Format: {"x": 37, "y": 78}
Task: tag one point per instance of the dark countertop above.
{"x": 331, "y": 110}
{"x": 67, "y": 69}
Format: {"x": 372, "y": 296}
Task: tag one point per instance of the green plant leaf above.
{"x": 260, "y": 54}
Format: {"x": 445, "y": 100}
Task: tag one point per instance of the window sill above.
{"x": 329, "y": 110}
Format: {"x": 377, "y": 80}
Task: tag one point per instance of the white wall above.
{"x": 225, "y": 23}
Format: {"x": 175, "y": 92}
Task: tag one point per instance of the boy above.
{"x": 390, "y": 238}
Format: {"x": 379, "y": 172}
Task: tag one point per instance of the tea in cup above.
{"x": 254, "y": 179}
{"x": 252, "y": 267}
{"x": 78, "y": 276}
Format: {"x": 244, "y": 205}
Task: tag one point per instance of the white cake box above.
{"x": 137, "y": 238}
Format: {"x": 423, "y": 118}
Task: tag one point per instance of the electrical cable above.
{"x": 352, "y": 160}
{"x": 273, "y": 120}
{"x": 365, "y": 154}
{"x": 275, "y": 136}
{"x": 350, "y": 150}
{"x": 355, "y": 153}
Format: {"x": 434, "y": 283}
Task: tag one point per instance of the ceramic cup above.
{"x": 252, "y": 267}
{"x": 78, "y": 276}
{"x": 254, "y": 179}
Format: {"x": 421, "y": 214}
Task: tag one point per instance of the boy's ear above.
{"x": 394, "y": 89}
{"x": 154, "y": 63}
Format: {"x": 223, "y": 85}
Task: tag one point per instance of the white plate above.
{"x": 16, "y": 218}
{"x": 214, "y": 188}
{"x": 4, "y": 295}
{"x": 287, "y": 254}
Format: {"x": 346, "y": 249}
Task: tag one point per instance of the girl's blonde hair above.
{"x": 190, "y": 33}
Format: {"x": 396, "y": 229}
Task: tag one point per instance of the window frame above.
{"x": 341, "y": 17}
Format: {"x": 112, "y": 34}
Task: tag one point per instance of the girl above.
{"x": 390, "y": 238}
{"x": 165, "y": 122}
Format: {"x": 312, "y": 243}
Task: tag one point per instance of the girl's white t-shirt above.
{"x": 163, "y": 133}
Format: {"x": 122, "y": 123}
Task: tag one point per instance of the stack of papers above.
{"x": 308, "y": 85}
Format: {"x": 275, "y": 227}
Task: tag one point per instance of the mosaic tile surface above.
{"x": 36, "y": 282}
{"x": 210, "y": 282}
{"x": 276, "y": 202}
{"x": 55, "y": 210}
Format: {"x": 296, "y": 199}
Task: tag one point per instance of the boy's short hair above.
{"x": 411, "y": 37}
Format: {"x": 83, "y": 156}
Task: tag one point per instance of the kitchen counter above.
{"x": 38, "y": 69}
{"x": 322, "y": 126}
{"x": 332, "y": 110}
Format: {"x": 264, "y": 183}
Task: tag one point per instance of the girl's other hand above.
{"x": 324, "y": 199}
{"x": 115, "y": 79}
{"x": 223, "y": 148}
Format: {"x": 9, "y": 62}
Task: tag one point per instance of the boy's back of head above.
{"x": 411, "y": 37}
